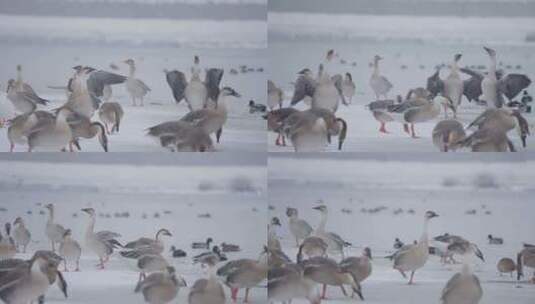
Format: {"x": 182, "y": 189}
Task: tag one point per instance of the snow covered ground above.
{"x": 499, "y": 189}
{"x": 411, "y": 47}
{"x": 168, "y": 194}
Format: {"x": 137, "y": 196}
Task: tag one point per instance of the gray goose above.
{"x": 160, "y": 287}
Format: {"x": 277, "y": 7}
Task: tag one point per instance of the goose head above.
{"x": 377, "y": 58}
{"x": 163, "y": 231}
{"x": 305, "y": 72}
{"x": 67, "y": 233}
{"x": 228, "y": 91}
{"x": 330, "y": 55}
{"x": 430, "y": 214}
{"x": 209, "y": 241}
{"x": 275, "y": 221}
{"x": 491, "y": 52}
{"x": 196, "y": 59}
{"x": 367, "y": 253}
{"x": 457, "y": 57}
{"x": 349, "y": 77}
{"x": 18, "y": 221}
{"x": 19, "y": 68}
{"x": 89, "y": 211}
{"x": 130, "y": 62}
{"x": 290, "y": 212}
{"x": 50, "y": 207}
{"x": 321, "y": 208}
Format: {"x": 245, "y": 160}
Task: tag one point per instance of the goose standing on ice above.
{"x": 155, "y": 245}
{"x": 81, "y": 100}
{"x": 111, "y": 114}
{"x": 463, "y": 288}
{"x": 54, "y": 232}
{"x": 379, "y": 84}
{"x": 207, "y": 290}
{"x": 299, "y": 228}
{"x": 379, "y": 109}
{"x": 196, "y": 94}
{"x": 181, "y": 136}
{"x": 447, "y": 133}
{"x": 453, "y": 86}
{"x": 70, "y": 250}
{"x": 160, "y": 287}
{"x": 506, "y": 265}
{"x": 55, "y": 134}
{"x": 359, "y": 267}
{"x": 17, "y": 132}
{"x": 335, "y": 243}
{"x": 22, "y": 95}
{"x": 21, "y": 235}
{"x": 101, "y": 243}
{"x": 414, "y": 256}
{"x": 348, "y": 87}
{"x": 83, "y": 127}
{"x": 135, "y": 87}
{"x": 489, "y": 84}
{"x": 275, "y": 96}
{"x": 526, "y": 257}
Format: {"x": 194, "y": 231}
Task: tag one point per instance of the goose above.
{"x": 83, "y": 127}
{"x": 327, "y": 272}
{"x": 81, "y": 100}
{"x": 288, "y": 283}
{"x": 464, "y": 247}
{"x": 495, "y": 240}
{"x": 226, "y": 247}
{"x": 299, "y": 228}
{"x": 359, "y": 267}
{"x": 379, "y": 84}
{"x": 275, "y": 121}
{"x": 50, "y": 133}
{"x": 348, "y": 87}
{"x": 207, "y": 290}
{"x": 326, "y": 91}
{"x": 379, "y": 109}
{"x": 178, "y": 253}
{"x": 446, "y": 133}
{"x": 198, "y": 94}
{"x": 135, "y": 87}
{"x": 487, "y": 140}
{"x": 273, "y": 239}
{"x": 144, "y": 260}
{"x": 70, "y": 250}
{"x": 312, "y": 246}
{"x": 202, "y": 245}
{"x": 155, "y": 245}
{"x": 502, "y": 121}
{"x": 414, "y": 256}
{"x": 526, "y": 257}
{"x": 244, "y": 273}
{"x": 212, "y": 120}
{"x": 98, "y": 83}
{"x": 506, "y": 265}
{"x": 54, "y": 232}
{"x": 181, "y": 136}
{"x": 26, "y": 281}
{"x": 453, "y": 86}
{"x": 335, "y": 243}
{"x": 8, "y": 249}
{"x": 277, "y": 258}
{"x": 311, "y": 130}
{"x": 21, "y": 235}
{"x": 161, "y": 287}
{"x": 489, "y": 84}
{"x": 21, "y": 124}
{"x": 463, "y": 288}
{"x": 23, "y": 101}
{"x": 111, "y": 113}
{"x": 275, "y": 96}
{"x": 101, "y": 243}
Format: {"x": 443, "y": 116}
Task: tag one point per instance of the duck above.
{"x": 51, "y": 133}
{"x": 414, "y": 256}
{"x": 21, "y": 235}
{"x": 288, "y": 283}
{"x": 160, "y": 287}
{"x": 213, "y": 256}
{"x": 275, "y": 96}
{"x": 495, "y": 240}
{"x": 134, "y": 86}
{"x": 178, "y": 253}
{"x": 336, "y": 244}
{"x": 101, "y": 243}
{"x": 348, "y": 87}
{"x": 256, "y": 107}
{"x": 379, "y": 84}
{"x": 447, "y": 133}
{"x": 226, "y": 247}
{"x": 54, "y": 232}
{"x": 70, "y": 250}
{"x": 111, "y": 114}
{"x": 453, "y": 86}
{"x": 299, "y": 228}
{"x": 153, "y": 245}
{"x": 202, "y": 245}
{"x": 506, "y": 265}
{"x": 244, "y": 273}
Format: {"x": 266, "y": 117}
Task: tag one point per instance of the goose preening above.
{"x": 54, "y": 232}
{"x": 23, "y": 281}
{"x": 463, "y": 288}
{"x": 198, "y": 94}
{"x": 181, "y": 136}
{"x": 111, "y": 114}
{"x": 275, "y": 122}
{"x": 379, "y": 84}
{"x": 70, "y": 250}
{"x": 83, "y": 127}
{"x": 412, "y": 257}
{"x": 161, "y": 287}
{"x": 334, "y": 242}
{"x": 275, "y": 96}
{"x": 244, "y": 273}
{"x": 506, "y": 265}
{"x": 150, "y": 245}
{"x": 495, "y": 240}
{"x": 101, "y": 243}
{"x": 447, "y": 133}
{"x": 288, "y": 283}
{"x": 325, "y": 91}
{"x": 328, "y": 272}
{"x": 348, "y": 87}
{"x": 526, "y": 257}
{"x": 22, "y": 95}
{"x": 453, "y": 86}
{"x": 273, "y": 239}
{"x": 135, "y": 87}
{"x": 21, "y": 235}
{"x": 299, "y": 228}
{"x": 311, "y": 130}
{"x": 207, "y": 290}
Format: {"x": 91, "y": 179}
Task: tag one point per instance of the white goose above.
{"x": 135, "y": 87}
{"x": 101, "y": 243}
{"x": 380, "y": 84}
{"x": 196, "y": 93}
{"x": 334, "y": 242}
{"x": 414, "y": 256}
{"x": 489, "y": 85}
{"x": 453, "y": 86}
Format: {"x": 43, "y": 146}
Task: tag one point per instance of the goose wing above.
{"x": 338, "y": 239}
{"x": 194, "y": 117}
{"x": 98, "y": 79}
{"x": 304, "y": 86}
{"x": 165, "y": 128}
{"x": 142, "y": 85}
{"x": 435, "y": 85}
{"x": 11, "y": 278}
{"x": 29, "y": 91}
{"x": 512, "y": 84}
{"x": 178, "y": 83}
{"x": 472, "y": 86}
{"x": 380, "y": 104}
{"x": 212, "y": 80}
{"x": 106, "y": 235}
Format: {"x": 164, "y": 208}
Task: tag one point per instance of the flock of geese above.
{"x": 315, "y": 264}
{"x": 25, "y": 281}
{"x": 311, "y": 129}
{"x": 90, "y": 90}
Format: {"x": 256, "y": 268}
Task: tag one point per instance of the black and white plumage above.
{"x": 325, "y": 91}
{"x": 178, "y": 83}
